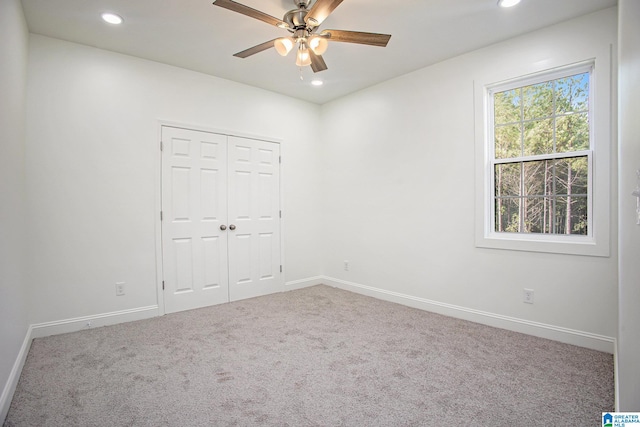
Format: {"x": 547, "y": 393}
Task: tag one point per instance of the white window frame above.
{"x": 596, "y": 242}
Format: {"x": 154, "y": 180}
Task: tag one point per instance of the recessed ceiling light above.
{"x": 508, "y": 3}
{"x": 112, "y": 18}
{"x": 317, "y": 82}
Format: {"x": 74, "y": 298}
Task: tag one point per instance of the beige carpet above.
{"x": 312, "y": 357}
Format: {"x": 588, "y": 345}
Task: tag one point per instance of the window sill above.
{"x": 567, "y": 245}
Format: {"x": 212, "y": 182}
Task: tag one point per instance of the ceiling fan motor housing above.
{"x": 295, "y": 18}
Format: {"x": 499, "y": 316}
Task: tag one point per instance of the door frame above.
{"x": 158, "y": 196}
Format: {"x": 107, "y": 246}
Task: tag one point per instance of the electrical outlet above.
{"x": 346, "y": 266}
{"x": 527, "y": 296}
{"x": 88, "y": 324}
{"x": 119, "y": 289}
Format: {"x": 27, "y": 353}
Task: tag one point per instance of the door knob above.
{"x": 232, "y": 227}
{"x": 223, "y": 227}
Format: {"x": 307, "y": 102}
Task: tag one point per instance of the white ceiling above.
{"x": 196, "y": 35}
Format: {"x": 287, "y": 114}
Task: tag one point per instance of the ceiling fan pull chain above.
{"x": 301, "y": 76}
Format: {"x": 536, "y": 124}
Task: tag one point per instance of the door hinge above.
{"x": 161, "y": 146}
{"x": 280, "y": 268}
{"x": 279, "y": 159}
{"x": 163, "y": 285}
{"x": 280, "y": 214}
{"x": 160, "y": 215}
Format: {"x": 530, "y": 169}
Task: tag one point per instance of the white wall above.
{"x": 397, "y": 152}
{"x": 629, "y": 134}
{"x": 92, "y": 171}
{"x": 13, "y": 295}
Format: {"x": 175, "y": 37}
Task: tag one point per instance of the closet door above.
{"x": 221, "y": 218}
{"x": 254, "y": 218}
{"x": 194, "y": 209}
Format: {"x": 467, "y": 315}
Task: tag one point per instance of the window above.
{"x": 541, "y": 155}
{"x": 543, "y": 161}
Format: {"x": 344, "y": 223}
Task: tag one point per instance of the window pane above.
{"x": 538, "y": 214}
{"x": 508, "y": 141}
{"x": 571, "y": 215}
{"x": 538, "y": 178}
{"x": 538, "y": 137}
{"x": 572, "y": 133}
{"x": 579, "y": 215}
{"x": 507, "y": 215}
{"x": 572, "y": 176}
{"x": 538, "y": 101}
{"x": 580, "y": 181}
{"x": 536, "y": 124}
{"x": 507, "y": 107}
{"x": 572, "y": 94}
{"x": 507, "y": 179}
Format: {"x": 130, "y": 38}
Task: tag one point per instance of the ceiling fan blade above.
{"x": 253, "y": 13}
{"x": 256, "y": 49}
{"x": 317, "y": 62}
{"x": 372, "y": 39}
{"x": 320, "y": 10}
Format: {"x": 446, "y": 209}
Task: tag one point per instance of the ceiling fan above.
{"x": 303, "y": 24}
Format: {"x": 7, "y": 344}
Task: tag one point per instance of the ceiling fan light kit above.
{"x": 303, "y": 58}
{"x": 303, "y": 24}
{"x": 284, "y": 45}
{"x": 318, "y": 44}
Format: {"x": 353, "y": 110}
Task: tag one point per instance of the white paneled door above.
{"x": 254, "y": 215}
{"x": 220, "y": 218}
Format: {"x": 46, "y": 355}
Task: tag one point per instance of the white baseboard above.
{"x": 556, "y": 333}
{"x": 303, "y": 283}
{"x": 46, "y": 329}
{"x": 14, "y": 376}
{"x": 60, "y": 327}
